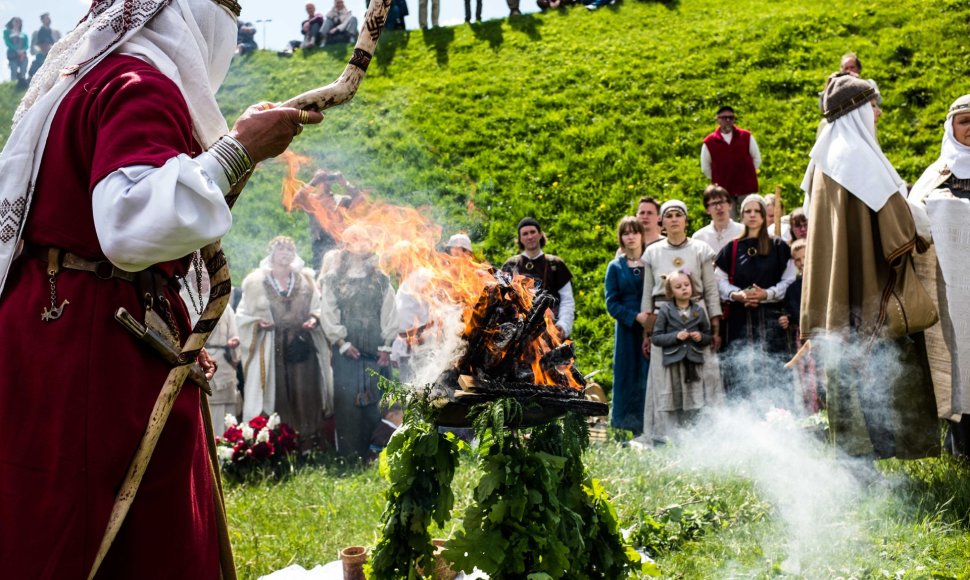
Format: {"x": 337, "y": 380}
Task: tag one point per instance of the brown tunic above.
{"x": 880, "y": 395}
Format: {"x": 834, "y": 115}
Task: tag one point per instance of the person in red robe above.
{"x": 111, "y": 177}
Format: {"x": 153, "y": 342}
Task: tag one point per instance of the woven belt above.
{"x": 103, "y": 269}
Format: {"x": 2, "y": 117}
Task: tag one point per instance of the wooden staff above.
{"x": 777, "y": 205}
{"x": 336, "y": 93}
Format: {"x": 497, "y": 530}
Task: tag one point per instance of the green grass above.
{"x": 898, "y": 532}
{"x": 571, "y": 116}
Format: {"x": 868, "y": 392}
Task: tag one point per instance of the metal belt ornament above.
{"x": 336, "y": 93}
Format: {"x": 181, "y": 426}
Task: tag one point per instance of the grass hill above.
{"x": 571, "y": 116}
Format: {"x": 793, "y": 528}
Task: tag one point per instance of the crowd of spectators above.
{"x": 20, "y": 48}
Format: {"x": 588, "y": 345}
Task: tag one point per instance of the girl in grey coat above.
{"x": 682, "y": 329}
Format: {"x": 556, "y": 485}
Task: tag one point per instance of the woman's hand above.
{"x": 695, "y": 336}
{"x": 383, "y": 359}
{"x": 783, "y": 321}
{"x": 233, "y": 342}
{"x": 310, "y": 323}
{"x": 646, "y": 348}
{"x": 266, "y": 325}
{"x": 352, "y": 352}
{"x": 683, "y": 335}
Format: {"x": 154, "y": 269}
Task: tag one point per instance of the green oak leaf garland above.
{"x": 536, "y": 512}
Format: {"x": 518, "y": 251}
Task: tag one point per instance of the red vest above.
{"x": 731, "y": 164}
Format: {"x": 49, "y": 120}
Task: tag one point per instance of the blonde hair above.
{"x": 668, "y": 289}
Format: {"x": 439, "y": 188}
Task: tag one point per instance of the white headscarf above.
{"x": 954, "y": 154}
{"x": 187, "y": 40}
{"x": 847, "y": 151}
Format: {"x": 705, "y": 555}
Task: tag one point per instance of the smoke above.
{"x": 770, "y": 438}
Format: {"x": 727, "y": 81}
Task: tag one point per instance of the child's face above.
{"x": 798, "y": 258}
{"x": 681, "y": 287}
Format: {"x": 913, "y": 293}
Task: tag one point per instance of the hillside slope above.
{"x": 571, "y": 116}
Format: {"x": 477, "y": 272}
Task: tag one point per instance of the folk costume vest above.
{"x": 731, "y": 164}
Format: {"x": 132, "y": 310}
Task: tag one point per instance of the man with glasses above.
{"x": 722, "y": 228}
{"x": 730, "y": 157}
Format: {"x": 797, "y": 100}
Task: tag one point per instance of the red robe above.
{"x": 732, "y": 166}
{"x": 76, "y": 393}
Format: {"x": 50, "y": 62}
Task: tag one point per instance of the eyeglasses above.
{"x": 726, "y": 117}
{"x": 717, "y": 203}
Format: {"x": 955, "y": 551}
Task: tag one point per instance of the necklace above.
{"x": 680, "y": 245}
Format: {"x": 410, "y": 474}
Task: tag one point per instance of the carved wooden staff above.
{"x": 336, "y": 93}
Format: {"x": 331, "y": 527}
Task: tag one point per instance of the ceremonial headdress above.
{"x": 847, "y": 150}
{"x": 190, "y": 41}
{"x": 954, "y": 154}
{"x": 673, "y": 204}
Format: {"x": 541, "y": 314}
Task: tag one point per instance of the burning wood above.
{"x": 514, "y": 350}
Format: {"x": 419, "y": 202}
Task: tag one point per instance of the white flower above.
{"x": 263, "y": 436}
{"x": 224, "y": 454}
{"x": 230, "y": 420}
{"x": 247, "y": 432}
{"x": 274, "y": 421}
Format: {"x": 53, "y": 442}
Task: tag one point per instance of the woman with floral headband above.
{"x": 286, "y": 359}
{"x": 115, "y": 171}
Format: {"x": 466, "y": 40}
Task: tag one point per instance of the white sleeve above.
{"x": 705, "y": 160}
{"x": 777, "y": 292}
{"x": 723, "y": 285}
{"x": 754, "y": 152}
{"x": 567, "y": 309}
{"x": 144, "y": 215}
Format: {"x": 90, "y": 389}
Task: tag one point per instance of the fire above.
{"x": 406, "y": 241}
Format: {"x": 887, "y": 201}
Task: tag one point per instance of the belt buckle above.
{"x": 104, "y": 270}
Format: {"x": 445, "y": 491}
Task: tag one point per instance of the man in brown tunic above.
{"x": 861, "y": 234}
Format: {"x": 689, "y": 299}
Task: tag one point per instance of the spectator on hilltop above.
{"x": 553, "y": 4}
{"x": 730, "y": 157}
{"x": 311, "y": 30}
{"x": 722, "y": 229}
{"x": 245, "y": 38}
{"x": 550, "y": 273}
{"x": 15, "y": 39}
{"x": 468, "y": 11}
{"x": 340, "y": 26}
{"x": 41, "y": 42}
{"x": 395, "y": 14}
{"x": 423, "y": 13}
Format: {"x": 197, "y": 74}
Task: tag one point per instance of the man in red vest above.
{"x": 730, "y": 157}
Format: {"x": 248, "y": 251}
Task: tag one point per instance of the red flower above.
{"x": 258, "y": 423}
{"x": 263, "y": 450}
{"x": 233, "y": 434}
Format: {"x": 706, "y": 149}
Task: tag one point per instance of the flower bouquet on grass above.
{"x": 262, "y": 448}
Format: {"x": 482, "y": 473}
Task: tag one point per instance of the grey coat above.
{"x": 670, "y": 323}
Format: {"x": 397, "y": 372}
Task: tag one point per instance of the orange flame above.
{"x": 406, "y": 240}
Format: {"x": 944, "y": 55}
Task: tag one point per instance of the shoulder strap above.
{"x": 734, "y": 260}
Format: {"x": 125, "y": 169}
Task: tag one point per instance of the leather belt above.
{"x": 103, "y": 269}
